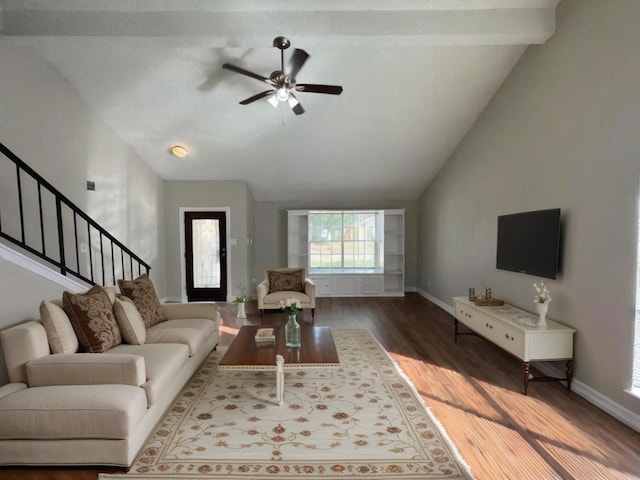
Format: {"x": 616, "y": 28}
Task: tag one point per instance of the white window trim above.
{"x": 634, "y": 389}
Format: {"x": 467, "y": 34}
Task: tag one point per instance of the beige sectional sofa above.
{"x": 96, "y": 408}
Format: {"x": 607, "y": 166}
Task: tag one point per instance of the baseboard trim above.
{"x": 438, "y": 302}
{"x": 23, "y": 261}
{"x": 617, "y": 411}
{"x": 603, "y": 402}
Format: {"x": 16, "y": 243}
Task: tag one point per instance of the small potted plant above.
{"x": 240, "y": 300}
{"x": 542, "y": 300}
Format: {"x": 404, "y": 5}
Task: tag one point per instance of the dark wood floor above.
{"x": 474, "y": 389}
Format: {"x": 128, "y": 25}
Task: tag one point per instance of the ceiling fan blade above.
{"x": 273, "y": 100}
{"x": 296, "y": 61}
{"x": 256, "y": 97}
{"x": 233, "y": 68}
{"x": 311, "y": 88}
{"x": 295, "y": 104}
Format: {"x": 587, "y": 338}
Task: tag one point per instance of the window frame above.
{"x": 635, "y": 370}
{"x": 371, "y": 261}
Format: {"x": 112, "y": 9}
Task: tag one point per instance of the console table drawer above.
{"x": 506, "y": 337}
{"x": 509, "y": 338}
{"x": 472, "y": 318}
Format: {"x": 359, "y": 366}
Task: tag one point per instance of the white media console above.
{"x": 511, "y": 329}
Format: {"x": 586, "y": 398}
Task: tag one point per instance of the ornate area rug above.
{"x": 363, "y": 420}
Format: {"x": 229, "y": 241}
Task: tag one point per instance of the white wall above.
{"x": 188, "y": 193}
{"x": 563, "y": 131}
{"x": 44, "y": 121}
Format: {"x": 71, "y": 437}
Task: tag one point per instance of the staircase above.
{"x": 42, "y": 226}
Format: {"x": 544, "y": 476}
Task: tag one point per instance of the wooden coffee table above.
{"x": 317, "y": 350}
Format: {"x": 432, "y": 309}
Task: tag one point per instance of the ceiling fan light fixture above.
{"x": 282, "y": 94}
{"x": 179, "y": 151}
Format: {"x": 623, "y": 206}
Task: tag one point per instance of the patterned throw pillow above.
{"x": 145, "y": 298}
{"x": 291, "y": 281}
{"x": 129, "y": 320}
{"x": 91, "y": 316}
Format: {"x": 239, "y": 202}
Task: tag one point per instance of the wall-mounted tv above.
{"x": 529, "y": 242}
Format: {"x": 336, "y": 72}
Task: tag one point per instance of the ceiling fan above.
{"x": 283, "y": 82}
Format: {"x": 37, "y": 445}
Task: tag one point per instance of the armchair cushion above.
{"x": 289, "y": 280}
{"x": 274, "y": 299}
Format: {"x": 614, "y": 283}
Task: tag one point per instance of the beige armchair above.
{"x": 283, "y": 283}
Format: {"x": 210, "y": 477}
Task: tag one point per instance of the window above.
{"x": 345, "y": 240}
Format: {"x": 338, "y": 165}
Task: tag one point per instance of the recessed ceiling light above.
{"x": 179, "y": 151}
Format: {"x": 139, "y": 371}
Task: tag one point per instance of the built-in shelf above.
{"x": 388, "y": 280}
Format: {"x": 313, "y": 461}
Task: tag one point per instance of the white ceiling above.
{"x": 416, "y": 74}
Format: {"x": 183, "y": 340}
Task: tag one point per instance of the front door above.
{"x": 206, "y": 255}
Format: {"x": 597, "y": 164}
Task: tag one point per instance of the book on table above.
{"x": 265, "y": 335}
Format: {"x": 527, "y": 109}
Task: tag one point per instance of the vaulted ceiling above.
{"x": 416, "y": 74}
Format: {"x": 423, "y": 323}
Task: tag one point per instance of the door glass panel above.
{"x": 206, "y": 253}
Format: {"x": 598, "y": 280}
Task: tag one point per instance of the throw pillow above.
{"x": 91, "y": 316}
{"x": 62, "y": 338}
{"x": 290, "y": 281}
{"x": 129, "y": 320}
{"x": 145, "y": 298}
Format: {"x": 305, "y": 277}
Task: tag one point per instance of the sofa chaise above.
{"x": 64, "y": 406}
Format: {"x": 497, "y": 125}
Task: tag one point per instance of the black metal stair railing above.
{"x": 35, "y": 216}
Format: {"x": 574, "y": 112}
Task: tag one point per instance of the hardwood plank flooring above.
{"x": 473, "y": 388}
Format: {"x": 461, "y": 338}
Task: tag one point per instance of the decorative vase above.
{"x": 542, "y": 313}
{"x": 292, "y": 332}
{"x": 241, "y": 313}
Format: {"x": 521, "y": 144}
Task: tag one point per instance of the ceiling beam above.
{"x": 256, "y": 27}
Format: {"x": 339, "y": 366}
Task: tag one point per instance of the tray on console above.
{"x": 488, "y": 302}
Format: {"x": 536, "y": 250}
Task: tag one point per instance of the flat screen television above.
{"x": 529, "y": 243}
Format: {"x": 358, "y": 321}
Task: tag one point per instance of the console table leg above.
{"x": 455, "y": 330}
{"x": 280, "y": 379}
{"x": 569, "y": 373}
{"x": 525, "y": 375}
